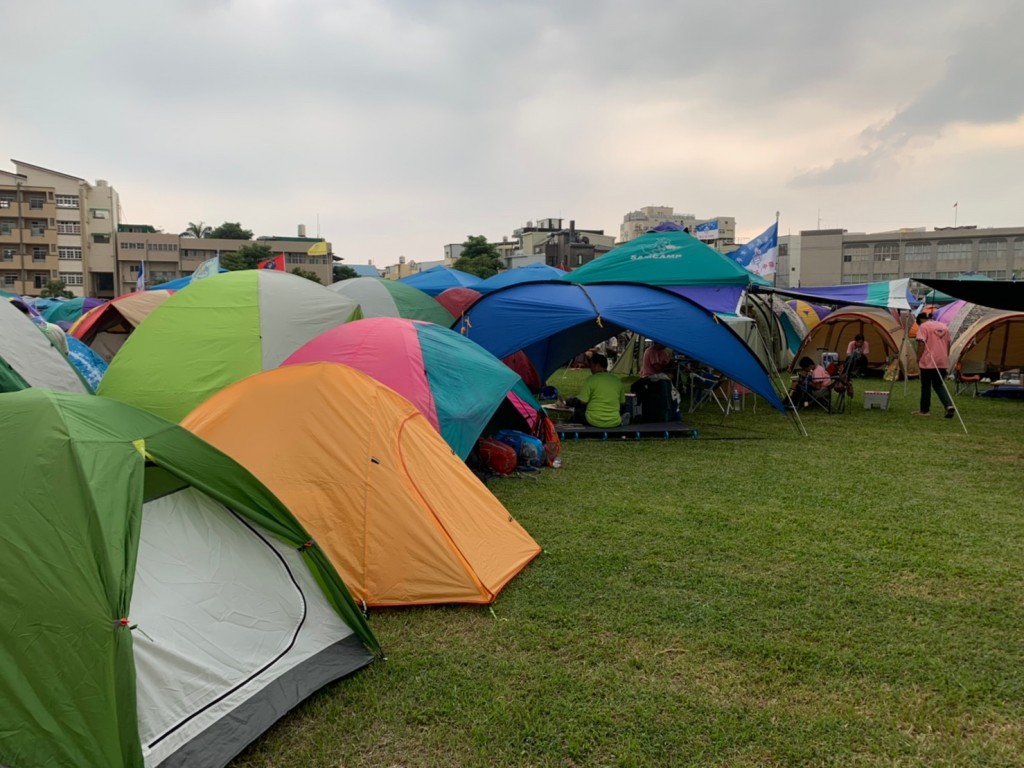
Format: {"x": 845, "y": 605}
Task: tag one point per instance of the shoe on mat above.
{"x": 920, "y": 413}
{"x": 950, "y": 412}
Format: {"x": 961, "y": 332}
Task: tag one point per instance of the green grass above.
{"x": 749, "y": 598}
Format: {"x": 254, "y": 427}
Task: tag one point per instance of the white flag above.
{"x": 140, "y": 284}
{"x": 208, "y": 268}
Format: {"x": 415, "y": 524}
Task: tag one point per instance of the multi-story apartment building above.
{"x": 635, "y": 223}
{"x": 168, "y": 257}
{"x": 551, "y": 242}
{"x": 834, "y": 256}
{"x": 54, "y": 226}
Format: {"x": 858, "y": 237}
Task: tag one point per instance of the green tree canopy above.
{"x": 343, "y": 272}
{"x": 247, "y": 256}
{"x": 307, "y": 274}
{"x": 55, "y": 289}
{"x": 197, "y": 229}
{"x": 230, "y": 230}
{"x": 479, "y": 257}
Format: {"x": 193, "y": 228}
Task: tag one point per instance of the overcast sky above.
{"x": 408, "y": 124}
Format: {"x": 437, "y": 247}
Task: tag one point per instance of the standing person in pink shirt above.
{"x": 933, "y": 359}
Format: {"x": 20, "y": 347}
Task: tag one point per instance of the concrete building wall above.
{"x": 636, "y": 223}
{"x": 831, "y": 257}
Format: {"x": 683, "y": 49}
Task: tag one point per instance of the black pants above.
{"x": 933, "y": 378}
{"x": 858, "y": 365}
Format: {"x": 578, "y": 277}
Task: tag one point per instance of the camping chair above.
{"x": 704, "y": 386}
{"x": 965, "y": 382}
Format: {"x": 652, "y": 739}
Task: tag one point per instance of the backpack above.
{"x": 529, "y": 449}
{"x": 546, "y": 432}
{"x": 497, "y": 456}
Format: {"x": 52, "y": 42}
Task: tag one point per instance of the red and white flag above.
{"x": 275, "y": 263}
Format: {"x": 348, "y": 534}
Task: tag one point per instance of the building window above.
{"x": 132, "y": 246}
{"x": 9, "y": 278}
{"x": 39, "y": 252}
{"x": 69, "y": 228}
{"x": 67, "y": 201}
{"x": 5, "y": 202}
{"x": 101, "y": 239}
{"x": 163, "y": 246}
{"x": 71, "y": 278}
{"x": 295, "y": 258}
{"x": 100, "y": 213}
{"x": 7, "y": 227}
{"x": 8, "y": 254}
{"x": 40, "y": 279}
{"x": 955, "y": 251}
{"x": 917, "y": 251}
{"x": 38, "y": 229}
{"x": 856, "y": 252}
{"x": 69, "y": 253}
{"x": 992, "y": 253}
{"x": 887, "y": 252}
{"x": 36, "y": 203}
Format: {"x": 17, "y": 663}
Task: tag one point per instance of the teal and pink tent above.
{"x": 460, "y": 387}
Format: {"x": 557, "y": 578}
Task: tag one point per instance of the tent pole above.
{"x": 797, "y": 423}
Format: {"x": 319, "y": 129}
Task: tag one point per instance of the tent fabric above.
{"x": 664, "y": 258}
{"x": 220, "y": 330}
{"x": 454, "y": 383}
{"x": 29, "y": 357}
{"x": 403, "y": 520}
{"x": 977, "y": 289}
{"x": 721, "y": 299}
{"x": 890, "y": 294}
{"x": 91, "y": 632}
{"x": 436, "y": 279}
{"x": 552, "y": 322}
{"x": 105, "y": 328}
{"x": 177, "y": 285}
{"x": 457, "y": 300}
{"x": 71, "y": 309}
{"x": 885, "y": 333}
{"x": 531, "y": 273}
{"x": 810, "y": 313}
{"x": 89, "y": 365}
{"x": 389, "y": 298}
{"x": 994, "y": 341}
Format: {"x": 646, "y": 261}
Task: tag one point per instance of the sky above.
{"x": 398, "y": 126}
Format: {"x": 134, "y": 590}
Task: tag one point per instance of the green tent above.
{"x": 390, "y": 298}
{"x": 219, "y": 331}
{"x": 161, "y": 606}
{"x": 667, "y": 259}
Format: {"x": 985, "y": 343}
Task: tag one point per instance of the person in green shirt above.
{"x": 601, "y": 397}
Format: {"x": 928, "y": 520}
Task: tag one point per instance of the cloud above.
{"x": 980, "y": 85}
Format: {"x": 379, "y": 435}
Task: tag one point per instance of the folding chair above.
{"x": 965, "y": 382}
{"x": 704, "y": 387}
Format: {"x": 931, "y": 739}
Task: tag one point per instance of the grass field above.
{"x": 748, "y": 598}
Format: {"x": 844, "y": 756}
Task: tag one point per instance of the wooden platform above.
{"x": 662, "y": 431}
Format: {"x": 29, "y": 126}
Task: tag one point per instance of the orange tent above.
{"x": 401, "y": 517}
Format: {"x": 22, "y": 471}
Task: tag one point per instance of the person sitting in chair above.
{"x": 657, "y": 359}
{"x": 857, "y": 356}
{"x": 601, "y": 397}
{"x": 812, "y": 380}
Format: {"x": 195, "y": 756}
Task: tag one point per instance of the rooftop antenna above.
{"x": 318, "y": 226}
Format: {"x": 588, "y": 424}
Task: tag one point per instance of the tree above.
{"x": 247, "y": 256}
{"x": 230, "y": 230}
{"x": 479, "y": 257}
{"x": 343, "y": 272}
{"x": 55, "y": 290}
{"x": 307, "y": 274}
{"x": 197, "y": 229}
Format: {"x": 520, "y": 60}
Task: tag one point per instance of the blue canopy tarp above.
{"x": 554, "y": 321}
{"x": 436, "y": 279}
{"x": 532, "y": 273}
{"x": 177, "y": 285}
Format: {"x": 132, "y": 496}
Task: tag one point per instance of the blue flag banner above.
{"x": 760, "y": 255}
{"x": 706, "y": 231}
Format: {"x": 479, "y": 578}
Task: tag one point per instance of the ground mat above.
{"x": 662, "y": 431}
